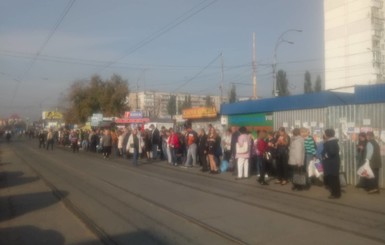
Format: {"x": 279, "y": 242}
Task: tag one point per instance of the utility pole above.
{"x": 222, "y": 78}
{"x": 254, "y": 69}
{"x": 137, "y": 96}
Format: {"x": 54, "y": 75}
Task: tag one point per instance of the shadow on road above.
{"x": 24, "y": 203}
{"x": 30, "y": 235}
{"x": 9, "y": 179}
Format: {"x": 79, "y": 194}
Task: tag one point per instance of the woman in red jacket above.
{"x": 173, "y": 143}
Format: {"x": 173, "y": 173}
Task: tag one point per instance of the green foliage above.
{"x": 87, "y": 97}
{"x": 209, "y": 102}
{"x": 318, "y": 84}
{"x": 282, "y": 83}
{"x": 233, "y": 94}
{"x": 171, "y": 106}
{"x": 307, "y": 87}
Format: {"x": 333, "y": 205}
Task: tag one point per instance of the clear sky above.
{"x": 163, "y": 45}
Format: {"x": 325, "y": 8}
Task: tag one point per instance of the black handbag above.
{"x": 299, "y": 178}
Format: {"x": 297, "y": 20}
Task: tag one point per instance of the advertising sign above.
{"x": 258, "y": 121}
{"x": 52, "y": 115}
{"x": 133, "y": 114}
{"x": 199, "y": 112}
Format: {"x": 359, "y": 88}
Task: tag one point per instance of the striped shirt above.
{"x": 310, "y": 147}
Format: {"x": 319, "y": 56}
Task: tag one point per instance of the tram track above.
{"x": 97, "y": 230}
{"x": 229, "y": 237}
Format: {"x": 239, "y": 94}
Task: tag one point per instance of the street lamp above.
{"x": 279, "y": 41}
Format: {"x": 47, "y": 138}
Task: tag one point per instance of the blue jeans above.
{"x": 191, "y": 155}
{"x": 135, "y": 157}
{"x": 173, "y": 155}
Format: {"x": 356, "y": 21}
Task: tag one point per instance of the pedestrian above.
{"x": 174, "y": 145}
{"x": 297, "y": 156}
{"x": 331, "y": 164}
{"x": 155, "y": 141}
{"x": 226, "y": 145}
{"x": 262, "y": 149}
{"x": 360, "y": 157}
{"x": 373, "y": 155}
{"x": 134, "y": 146}
{"x": 202, "y": 150}
{"x": 74, "y": 138}
{"x": 310, "y": 151}
{"x": 211, "y": 148}
{"x": 243, "y": 148}
{"x": 282, "y": 156}
{"x": 50, "y": 139}
{"x": 106, "y": 142}
{"x": 191, "y": 140}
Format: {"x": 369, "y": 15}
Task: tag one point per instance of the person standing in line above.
{"x": 226, "y": 145}
{"x": 50, "y": 139}
{"x": 134, "y": 146}
{"x": 106, "y": 143}
{"x": 331, "y": 164}
{"x": 262, "y": 148}
{"x": 211, "y": 148}
{"x": 234, "y": 138}
{"x": 297, "y": 155}
{"x": 163, "y": 143}
{"x": 191, "y": 140}
{"x": 310, "y": 151}
{"x": 373, "y": 155}
{"x": 360, "y": 157}
{"x": 120, "y": 143}
{"x": 114, "y": 143}
{"x": 282, "y": 156}
{"x": 173, "y": 142}
{"x": 126, "y": 135}
{"x": 74, "y": 141}
{"x": 155, "y": 141}
{"x": 202, "y": 150}
{"x": 243, "y": 146}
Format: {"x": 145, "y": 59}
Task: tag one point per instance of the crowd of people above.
{"x": 269, "y": 155}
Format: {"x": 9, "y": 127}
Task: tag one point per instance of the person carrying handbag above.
{"x": 296, "y": 160}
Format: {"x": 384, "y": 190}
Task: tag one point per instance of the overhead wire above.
{"x": 179, "y": 20}
{"x": 40, "y": 50}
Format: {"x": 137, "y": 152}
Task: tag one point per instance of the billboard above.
{"x": 52, "y": 115}
{"x": 199, "y": 112}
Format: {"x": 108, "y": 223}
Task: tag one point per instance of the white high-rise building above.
{"x": 354, "y": 43}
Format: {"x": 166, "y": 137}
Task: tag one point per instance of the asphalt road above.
{"x": 156, "y": 203}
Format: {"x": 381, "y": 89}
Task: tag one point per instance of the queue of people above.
{"x": 270, "y": 155}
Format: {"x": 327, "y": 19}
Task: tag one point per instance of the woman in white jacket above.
{"x": 134, "y": 146}
{"x": 297, "y": 155}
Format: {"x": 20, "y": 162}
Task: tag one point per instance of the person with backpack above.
{"x": 191, "y": 140}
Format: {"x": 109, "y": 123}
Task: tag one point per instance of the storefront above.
{"x": 201, "y": 117}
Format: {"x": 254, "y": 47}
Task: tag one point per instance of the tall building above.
{"x": 354, "y": 43}
{"x": 154, "y": 104}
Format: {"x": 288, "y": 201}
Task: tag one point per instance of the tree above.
{"x": 233, "y": 94}
{"x": 171, "y": 106}
{"x": 282, "y": 83}
{"x": 87, "y": 97}
{"x": 307, "y": 87}
{"x": 318, "y": 84}
{"x": 209, "y": 101}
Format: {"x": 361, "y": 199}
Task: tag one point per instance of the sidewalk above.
{"x": 30, "y": 213}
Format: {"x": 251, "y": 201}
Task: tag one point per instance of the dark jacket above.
{"x": 375, "y": 161}
{"x": 155, "y": 137}
{"x": 202, "y": 144}
{"x": 331, "y": 157}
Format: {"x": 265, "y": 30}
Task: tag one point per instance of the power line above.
{"x": 40, "y": 50}
{"x": 179, "y": 20}
{"x": 197, "y": 74}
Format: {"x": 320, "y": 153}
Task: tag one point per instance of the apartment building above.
{"x": 354, "y": 43}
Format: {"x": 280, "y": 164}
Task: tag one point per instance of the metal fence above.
{"x": 348, "y": 121}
